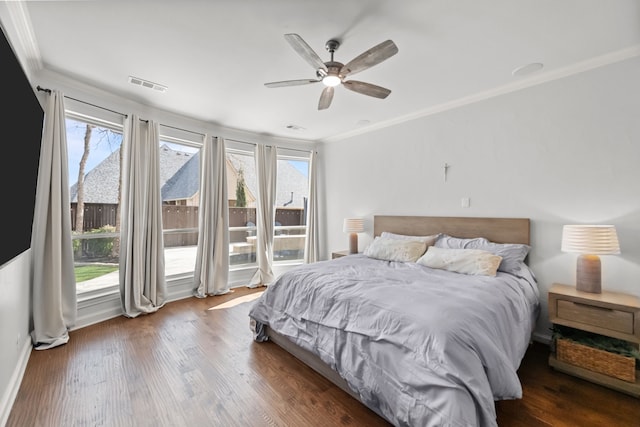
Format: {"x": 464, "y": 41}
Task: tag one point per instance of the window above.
{"x": 180, "y": 193}
{"x": 94, "y": 177}
{"x": 292, "y": 191}
{"x": 242, "y": 193}
{"x": 292, "y": 194}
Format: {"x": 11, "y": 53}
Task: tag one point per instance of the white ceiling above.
{"x": 215, "y": 56}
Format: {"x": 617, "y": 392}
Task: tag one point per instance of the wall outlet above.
{"x": 466, "y": 202}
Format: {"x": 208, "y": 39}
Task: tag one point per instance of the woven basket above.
{"x": 593, "y": 359}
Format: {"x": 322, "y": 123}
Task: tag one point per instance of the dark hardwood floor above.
{"x": 194, "y": 363}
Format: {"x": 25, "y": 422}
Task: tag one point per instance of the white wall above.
{"x": 14, "y": 328}
{"x": 14, "y": 288}
{"x": 565, "y": 151}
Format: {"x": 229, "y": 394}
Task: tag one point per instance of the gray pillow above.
{"x": 429, "y": 240}
{"x": 513, "y": 254}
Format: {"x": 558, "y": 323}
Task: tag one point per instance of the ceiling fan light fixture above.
{"x": 333, "y": 73}
{"x": 331, "y": 80}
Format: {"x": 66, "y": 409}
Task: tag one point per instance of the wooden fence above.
{"x": 184, "y": 217}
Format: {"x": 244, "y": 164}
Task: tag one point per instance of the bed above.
{"x": 432, "y": 340}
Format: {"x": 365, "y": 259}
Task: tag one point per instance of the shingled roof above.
{"x": 101, "y": 182}
{"x": 179, "y": 178}
{"x": 289, "y": 180}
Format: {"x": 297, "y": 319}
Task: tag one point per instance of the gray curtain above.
{"x": 311, "y": 248}
{"x": 53, "y": 283}
{"x": 143, "y": 287}
{"x": 266, "y": 168}
{"x": 212, "y": 258}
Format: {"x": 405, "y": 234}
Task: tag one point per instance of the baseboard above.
{"x": 14, "y": 384}
{"x": 98, "y": 306}
{"x": 179, "y": 288}
{"x": 542, "y": 338}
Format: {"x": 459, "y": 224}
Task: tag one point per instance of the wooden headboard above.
{"x": 499, "y": 230}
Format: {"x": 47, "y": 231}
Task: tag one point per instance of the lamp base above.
{"x": 589, "y": 273}
{"x": 353, "y": 243}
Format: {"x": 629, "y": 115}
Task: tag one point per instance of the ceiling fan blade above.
{"x": 305, "y": 51}
{"x": 325, "y": 98}
{"x": 371, "y": 57}
{"x": 291, "y": 83}
{"x": 367, "y": 89}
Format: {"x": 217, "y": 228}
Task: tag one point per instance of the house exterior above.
{"x": 180, "y": 175}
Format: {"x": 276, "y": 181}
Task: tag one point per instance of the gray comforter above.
{"x": 420, "y": 346}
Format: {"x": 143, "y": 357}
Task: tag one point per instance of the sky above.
{"x": 103, "y": 143}
{"x": 101, "y": 148}
{"x": 303, "y": 167}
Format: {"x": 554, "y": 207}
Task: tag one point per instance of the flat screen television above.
{"x": 21, "y": 123}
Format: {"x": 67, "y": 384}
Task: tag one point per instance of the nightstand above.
{"x": 339, "y": 254}
{"x": 611, "y": 314}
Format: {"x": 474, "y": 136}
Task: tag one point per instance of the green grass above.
{"x": 87, "y": 272}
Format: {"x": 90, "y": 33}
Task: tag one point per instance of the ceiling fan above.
{"x": 333, "y": 73}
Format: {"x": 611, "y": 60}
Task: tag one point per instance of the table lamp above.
{"x": 590, "y": 241}
{"x": 353, "y": 226}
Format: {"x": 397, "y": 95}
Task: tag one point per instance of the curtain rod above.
{"x": 172, "y": 127}
{"x": 229, "y": 139}
{"x": 254, "y": 144}
{"x": 84, "y": 102}
{"x": 184, "y": 130}
{"x": 117, "y": 112}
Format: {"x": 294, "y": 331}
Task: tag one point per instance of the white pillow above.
{"x": 465, "y": 261}
{"x": 429, "y": 240}
{"x": 395, "y": 249}
{"x": 513, "y": 254}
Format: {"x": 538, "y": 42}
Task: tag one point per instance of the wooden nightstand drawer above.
{"x": 608, "y": 318}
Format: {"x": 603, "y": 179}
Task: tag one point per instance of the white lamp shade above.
{"x": 590, "y": 239}
{"x": 353, "y": 225}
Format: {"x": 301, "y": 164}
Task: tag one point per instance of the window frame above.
{"x": 284, "y": 154}
{"x": 99, "y": 291}
{"x": 253, "y": 265}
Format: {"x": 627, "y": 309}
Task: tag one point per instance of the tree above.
{"x": 241, "y": 196}
{"x": 80, "y": 188}
{"x": 115, "y": 250}
{"x": 102, "y": 135}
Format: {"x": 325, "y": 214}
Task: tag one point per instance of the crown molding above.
{"x": 24, "y": 40}
{"x": 537, "y": 79}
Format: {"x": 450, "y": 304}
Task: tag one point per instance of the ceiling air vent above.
{"x": 146, "y": 83}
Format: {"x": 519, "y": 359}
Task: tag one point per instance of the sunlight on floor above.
{"x": 237, "y": 301}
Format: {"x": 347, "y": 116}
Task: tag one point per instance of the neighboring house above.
{"x": 179, "y": 180}
{"x": 101, "y": 182}
{"x": 289, "y": 181}
{"x": 292, "y": 188}
{"x": 182, "y": 187}
{"x": 235, "y": 165}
